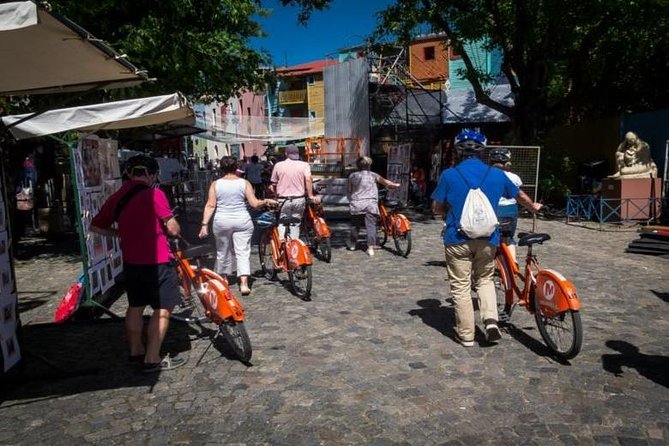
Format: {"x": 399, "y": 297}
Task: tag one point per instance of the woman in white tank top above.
{"x": 227, "y": 202}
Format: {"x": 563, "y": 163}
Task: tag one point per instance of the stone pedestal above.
{"x": 633, "y": 195}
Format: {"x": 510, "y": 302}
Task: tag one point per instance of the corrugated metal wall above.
{"x": 347, "y": 101}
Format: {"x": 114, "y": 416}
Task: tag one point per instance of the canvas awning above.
{"x": 43, "y": 52}
{"x": 166, "y": 110}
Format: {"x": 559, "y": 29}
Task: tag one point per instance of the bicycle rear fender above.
{"x": 321, "y": 228}
{"x": 555, "y": 294}
{"x": 222, "y": 301}
{"x": 506, "y": 252}
{"x": 299, "y": 253}
{"x": 401, "y": 224}
{"x": 206, "y": 272}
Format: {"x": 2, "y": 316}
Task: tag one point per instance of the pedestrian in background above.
{"x": 144, "y": 221}
{"x": 291, "y": 181}
{"x": 363, "y": 199}
{"x": 468, "y": 259}
{"x": 253, "y": 171}
{"x": 227, "y": 203}
{"x": 507, "y": 208}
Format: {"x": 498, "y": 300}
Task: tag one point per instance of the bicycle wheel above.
{"x": 325, "y": 249}
{"x": 237, "y": 338}
{"x": 265, "y": 254}
{"x": 381, "y": 236}
{"x": 403, "y": 243}
{"x": 501, "y": 280}
{"x": 300, "y": 281}
{"x": 307, "y": 232}
{"x": 190, "y": 309}
{"x": 562, "y": 332}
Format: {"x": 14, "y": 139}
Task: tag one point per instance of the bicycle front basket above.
{"x": 265, "y": 220}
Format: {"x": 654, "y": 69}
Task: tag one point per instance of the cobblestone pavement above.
{"x": 371, "y": 360}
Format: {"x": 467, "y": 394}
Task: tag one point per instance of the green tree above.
{"x": 199, "y": 48}
{"x": 566, "y": 60}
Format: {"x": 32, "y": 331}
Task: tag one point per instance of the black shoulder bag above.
{"x": 123, "y": 202}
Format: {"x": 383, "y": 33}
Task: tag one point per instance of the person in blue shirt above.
{"x": 468, "y": 259}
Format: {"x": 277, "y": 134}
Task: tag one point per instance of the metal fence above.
{"x": 524, "y": 163}
{"x": 611, "y": 210}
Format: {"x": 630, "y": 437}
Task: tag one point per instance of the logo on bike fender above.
{"x": 549, "y": 290}
{"x": 210, "y": 296}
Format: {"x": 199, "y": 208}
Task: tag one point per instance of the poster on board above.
{"x": 98, "y": 176}
{"x": 399, "y": 168}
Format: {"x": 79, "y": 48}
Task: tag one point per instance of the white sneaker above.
{"x": 370, "y": 252}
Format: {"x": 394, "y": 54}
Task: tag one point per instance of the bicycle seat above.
{"x": 197, "y": 251}
{"x": 287, "y": 221}
{"x": 525, "y": 239}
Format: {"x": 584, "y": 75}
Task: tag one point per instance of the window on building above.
{"x": 311, "y": 80}
{"x": 453, "y": 54}
{"x": 428, "y": 53}
{"x": 312, "y": 114}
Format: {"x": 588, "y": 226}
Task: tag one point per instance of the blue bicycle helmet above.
{"x": 470, "y": 141}
{"x": 265, "y": 220}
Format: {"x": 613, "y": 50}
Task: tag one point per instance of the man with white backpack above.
{"x": 470, "y": 191}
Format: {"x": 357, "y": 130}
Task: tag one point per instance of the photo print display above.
{"x": 90, "y": 162}
{"x": 94, "y": 279}
{"x": 108, "y": 153}
{"x": 8, "y": 315}
{"x": 6, "y": 282}
{"x": 10, "y": 351}
{"x": 3, "y": 243}
{"x": 3, "y": 216}
{"x": 117, "y": 264}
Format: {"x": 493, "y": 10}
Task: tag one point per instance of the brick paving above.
{"x": 371, "y": 360}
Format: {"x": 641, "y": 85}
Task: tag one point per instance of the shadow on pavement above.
{"x": 73, "y": 358}
{"x": 661, "y": 295}
{"x": 37, "y": 246}
{"x": 535, "y": 346}
{"x": 29, "y": 300}
{"x": 435, "y": 315}
{"x": 652, "y": 367}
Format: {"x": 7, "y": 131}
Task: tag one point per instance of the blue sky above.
{"x": 346, "y": 23}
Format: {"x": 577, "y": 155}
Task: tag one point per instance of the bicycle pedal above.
{"x": 187, "y": 304}
{"x": 503, "y": 317}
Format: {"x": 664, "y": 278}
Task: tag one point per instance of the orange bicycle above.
{"x": 545, "y": 293}
{"x": 290, "y": 255}
{"x": 316, "y": 231}
{"x": 394, "y": 224}
{"x": 206, "y": 296}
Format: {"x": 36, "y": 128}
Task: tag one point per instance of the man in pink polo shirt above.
{"x": 144, "y": 221}
{"x": 291, "y": 181}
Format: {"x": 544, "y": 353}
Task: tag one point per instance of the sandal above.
{"x": 166, "y": 364}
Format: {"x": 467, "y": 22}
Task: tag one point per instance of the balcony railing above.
{"x": 292, "y": 97}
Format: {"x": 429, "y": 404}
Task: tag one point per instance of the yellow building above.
{"x": 301, "y": 90}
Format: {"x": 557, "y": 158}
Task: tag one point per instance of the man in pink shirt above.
{"x": 144, "y": 221}
{"x": 291, "y": 181}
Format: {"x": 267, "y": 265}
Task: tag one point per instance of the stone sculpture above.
{"x": 633, "y": 159}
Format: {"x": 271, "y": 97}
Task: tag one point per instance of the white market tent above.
{"x": 43, "y": 52}
{"x": 173, "y": 110}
